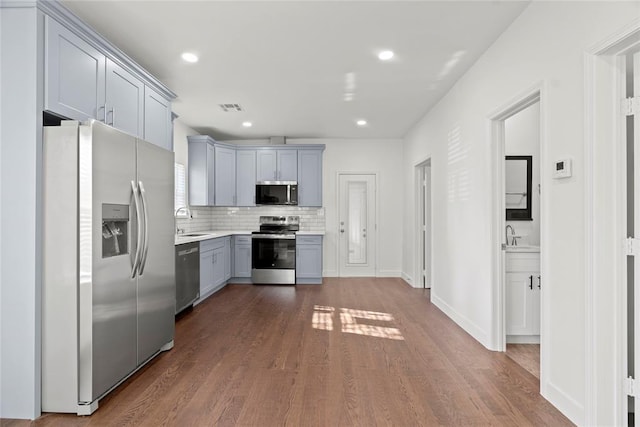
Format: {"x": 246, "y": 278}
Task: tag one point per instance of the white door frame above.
{"x": 497, "y": 138}
{"x": 604, "y": 88}
{"x": 417, "y": 281}
{"x": 376, "y": 220}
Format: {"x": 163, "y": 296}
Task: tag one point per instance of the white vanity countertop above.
{"x": 522, "y": 248}
{"x": 206, "y": 235}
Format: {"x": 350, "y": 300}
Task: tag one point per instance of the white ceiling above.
{"x": 286, "y": 62}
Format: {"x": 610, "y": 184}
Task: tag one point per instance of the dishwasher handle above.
{"x": 187, "y": 251}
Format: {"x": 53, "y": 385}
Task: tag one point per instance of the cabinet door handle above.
{"x": 539, "y": 282}
{"x": 531, "y": 282}
{"x": 104, "y": 113}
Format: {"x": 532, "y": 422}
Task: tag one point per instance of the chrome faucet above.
{"x": 175, "y": 220}
{"x": 514, "y": 242}
{"x": 186, "y": 209}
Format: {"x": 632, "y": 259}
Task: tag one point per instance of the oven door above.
{"x": 273, "y": 259}
{"x": 273, "y": 252}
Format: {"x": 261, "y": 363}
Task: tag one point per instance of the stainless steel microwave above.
{"x": 277, "y": 193}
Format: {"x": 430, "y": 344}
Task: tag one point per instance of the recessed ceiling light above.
{"x": 190, "y": 57}
{"x": 361, "y": 122}
{"x": 247, "y": 124}
{"x": 385, "y": 55}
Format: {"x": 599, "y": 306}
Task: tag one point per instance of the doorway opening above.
{"x": 518, "y": 229}
{"x": 357, "y": 227}
{"x": 423, "y": 271}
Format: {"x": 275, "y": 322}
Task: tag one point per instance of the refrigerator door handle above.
{"x": 136, "y": 260}
{"x": 145, "y": 246}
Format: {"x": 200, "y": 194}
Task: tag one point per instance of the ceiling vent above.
{"x": 231, "y": 108}
{"x": 277, "y": 140}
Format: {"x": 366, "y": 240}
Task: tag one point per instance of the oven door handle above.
{"x": 274, "y": 236}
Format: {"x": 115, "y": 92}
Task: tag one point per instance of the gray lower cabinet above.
{"x": 206, "y": 273}
{"x": 227, "y": 258}
{"x": 215, "y": 265}
{"x": 310, "y": 178}
{"x": 309, "y": 259}
{"x": 242, "y": 257}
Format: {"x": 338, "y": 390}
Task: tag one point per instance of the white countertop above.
{"x": 521, "y": 248}
{"x": 208, "y": 234}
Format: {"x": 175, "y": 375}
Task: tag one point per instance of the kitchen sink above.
{"x": 193, "y": 234}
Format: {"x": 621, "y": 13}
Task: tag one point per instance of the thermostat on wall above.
{"x": 562, "y": 169}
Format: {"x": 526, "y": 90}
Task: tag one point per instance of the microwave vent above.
{"x": 231, "y": 108}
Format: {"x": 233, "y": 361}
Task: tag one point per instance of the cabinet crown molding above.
{"x": 210, "y": 140}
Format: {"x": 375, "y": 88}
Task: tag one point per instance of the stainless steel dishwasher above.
{"x": 187, "y": 275}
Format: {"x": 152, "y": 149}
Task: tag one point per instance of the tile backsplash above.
{"x": 247, "y": 218}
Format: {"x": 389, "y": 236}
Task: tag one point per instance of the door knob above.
{"x": 342, "y": 230}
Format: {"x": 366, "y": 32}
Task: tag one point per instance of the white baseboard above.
{"x": 471, "y": 328}
{"x": 523, "y": 339}
{"x": 565, "y": 404}
{"x": 389, "y": 273}
{"x": 329, "y": 273}
{"x": 409, "y": 280}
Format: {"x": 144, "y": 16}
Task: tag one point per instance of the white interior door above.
{"x": 357, "y": 225}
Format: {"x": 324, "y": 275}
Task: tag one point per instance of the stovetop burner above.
{"x": 278, "y": 225}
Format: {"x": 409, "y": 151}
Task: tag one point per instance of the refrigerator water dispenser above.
{"x": 115, "y": 230}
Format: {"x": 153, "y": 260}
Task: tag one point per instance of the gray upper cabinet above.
{"x": 246, "y": 178}
{"x": 225, "y": 176}
{"x": 88, "y": 78}
{"x": 277, "y": 165}
{"x": 287, "y": 165}
{"x": 124, "y": 107}
{"x": 266, "y": 164}
{"x": 74, "y": 75}
{"x": 310, "y": 178}
{"x": 201, "y": 171}
{"x": 157, "y": 119}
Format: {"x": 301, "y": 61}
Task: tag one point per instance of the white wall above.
{"x": 383, "y": 156}
{"x": 545, "y": 44}
{"x": 522, "y": 138}
{"x": 181, "y": 147}
{"x": 20, "y": 210}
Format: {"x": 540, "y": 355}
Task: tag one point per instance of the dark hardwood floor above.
{"x": 272, "y": 356}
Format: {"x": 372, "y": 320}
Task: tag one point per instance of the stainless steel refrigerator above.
{"x": 109, "y": 274}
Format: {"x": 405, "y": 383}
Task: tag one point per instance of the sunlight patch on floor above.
{"x": 323, "y": 319}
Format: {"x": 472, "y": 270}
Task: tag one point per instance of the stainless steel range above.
{"x": 273, "y": 259}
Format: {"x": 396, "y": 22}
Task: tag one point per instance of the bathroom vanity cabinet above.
{"x": 522, "y": 287}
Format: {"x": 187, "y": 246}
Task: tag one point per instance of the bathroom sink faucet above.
{"x": 514, "y": 242}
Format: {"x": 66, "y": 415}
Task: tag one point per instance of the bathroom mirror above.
{"x": 518, "y": 187}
